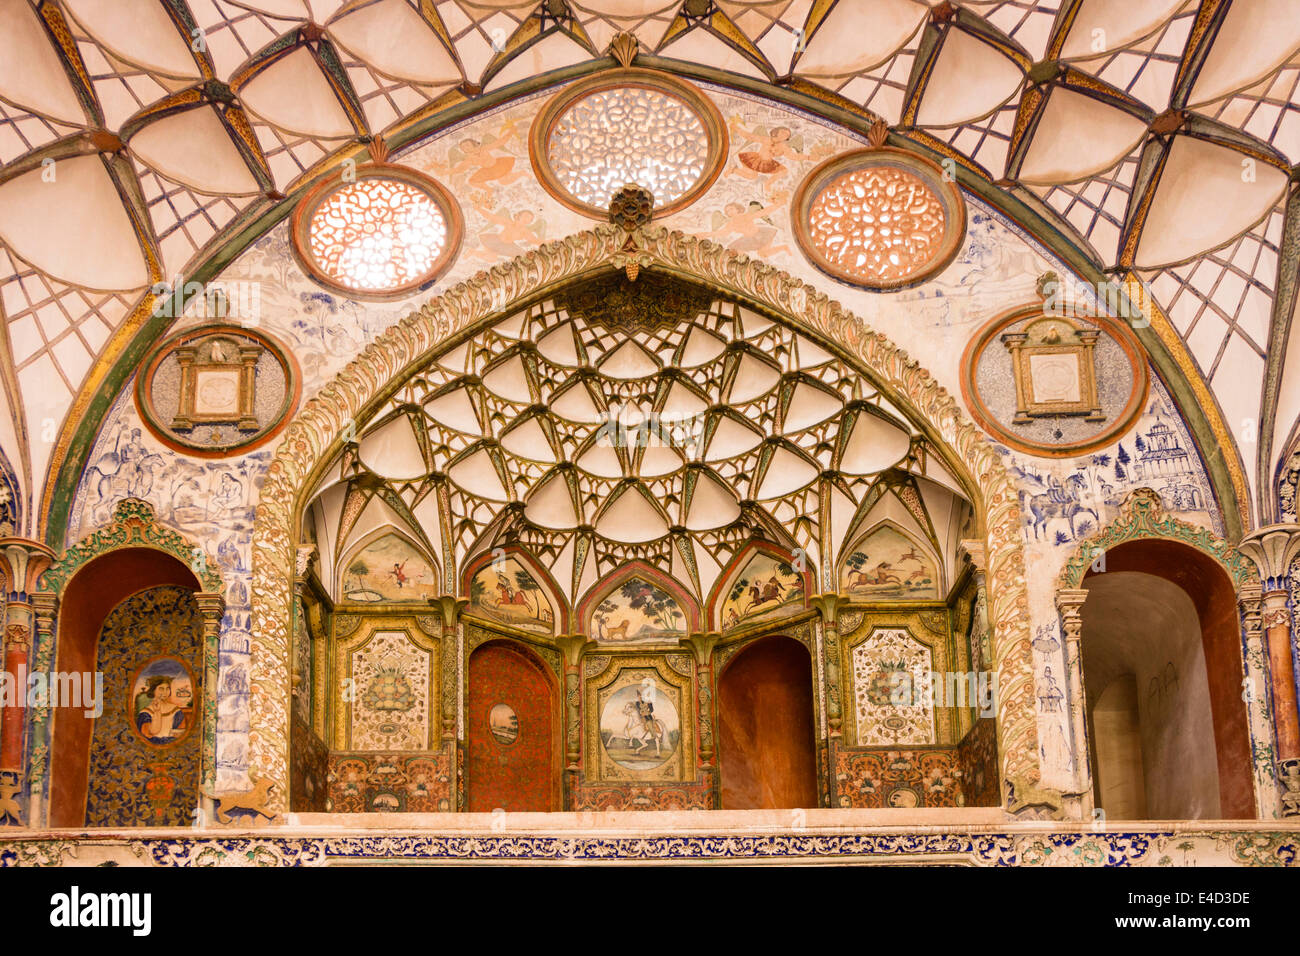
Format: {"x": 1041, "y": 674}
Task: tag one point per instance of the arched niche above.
{"x": 763, "y": 584}
{"x": 638, "y": 604}
{"x": 1160, "y": 602}
{"x": 507, "y": 587}
{"x": 887, "y": 562}
{"x": 316, "y": 436}
{"x": 767, "y": 754}
{"x": 1154, "y": 591}
{"x": 387, "y": 567}
{"x": 92, "y": 580}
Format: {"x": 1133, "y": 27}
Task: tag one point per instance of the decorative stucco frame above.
{"x": 316, "y": 431}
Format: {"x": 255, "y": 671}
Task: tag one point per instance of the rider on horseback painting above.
{"x": 645, "y": 707}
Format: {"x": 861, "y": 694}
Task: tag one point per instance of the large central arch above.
{"x": 317, "y": 430}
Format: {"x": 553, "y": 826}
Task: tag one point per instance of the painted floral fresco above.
{"x": 885, "y": 564}
{"x": 766, "y": 588}
{"x": 390, "y": 706}
{"x": 507, "y": 592}
{"x": 638, "y": 612}
{"x": 389, "y": 570}
{"x": 891, "y": 689}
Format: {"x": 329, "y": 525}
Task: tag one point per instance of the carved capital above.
{"x": 303, "y": 559}
{"x": 22, "y": 562}
{"x": 828, "y": 606}
{"x": 1069, "y": 602}
{"x": 572, "y": 646}
{"x": 46, "y": 608}
{"x": 448, "y": 609}
{"x": 1251, "y": 599}
{"x": 702, "y": 644}
{"x": 976, "y": 552}
{"x": 1272, "y": 548}
{"x": 211, "y": 606}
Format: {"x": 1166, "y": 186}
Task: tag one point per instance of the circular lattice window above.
{"x": 382, "y": 232}
{"x": 880, "y": 218}
{"x": 647, "y": 128}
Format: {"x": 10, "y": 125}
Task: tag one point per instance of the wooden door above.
{"x": 512, "y": 748}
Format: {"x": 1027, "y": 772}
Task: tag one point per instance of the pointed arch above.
{"x": 502, "y": 610}
{"x": 636, "y": 570}
{"x": 316, "y": 435}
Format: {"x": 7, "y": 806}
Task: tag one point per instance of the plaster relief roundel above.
{"x": 644, "y": 128}
{"x": 1052, "y": 379}
{"x": 880, "y": 218}
{"x": 217, "y": 390}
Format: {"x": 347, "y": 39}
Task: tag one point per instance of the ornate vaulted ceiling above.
{"x": 141, "y": 138}
{"x": 645, "y": 421}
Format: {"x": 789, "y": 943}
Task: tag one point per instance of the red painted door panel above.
{"x": 513, "y": 761}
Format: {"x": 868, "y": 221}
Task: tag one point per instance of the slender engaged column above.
{"x": 1273, "y": 548}
{"x": 22, "y": 562}
{"x": 1069, "y": 602}
{"x": 211, "y": 607}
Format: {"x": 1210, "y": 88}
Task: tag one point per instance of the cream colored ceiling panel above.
{"x": 31, "y": 74}
{"x": 194, "y": 149}
{"x": 1207, "y": 195}
{"x": 551, "y": 505}
{"x": 969, "y": 80}
{"x": 395, "y": 40}
{"x": 393, "y": 451}
{"x": 1077, "y": 137}
{"x": 138, "y": 31}
{"x": 552, "y": 52}
{"x": 857, "y": 36}
{"x": 873, "y": 445}
{"x": 631, "y": 518}
{"x": 1103, "y": 26}
{"x": 477, "y": 475}
{"x": 712, "y": 505}
{"x": 38, "y": 217}
{"x": 1256, "y": 37}
{"x": 293, "y": 94}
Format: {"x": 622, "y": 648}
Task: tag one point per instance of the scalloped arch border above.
{"x": 399, "y": 350}
{"x": 1142, "y": 516}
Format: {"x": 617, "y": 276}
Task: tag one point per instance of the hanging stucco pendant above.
{"x": 631, "y": 207}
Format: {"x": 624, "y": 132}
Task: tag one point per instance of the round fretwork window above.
{"x": 880, "y": 218}
{"x": 385, "y": 232}
{"x": 647, "y": 128}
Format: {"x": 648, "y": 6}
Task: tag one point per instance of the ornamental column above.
{"x": 212, "y": 606}
{"x": 572, "y": 646}
{"x": 22, "y": 562}
{"x": 449, "y": 609}
{"x": 1273, "y": 548}
{"x": 1069, "y": 604}
{"x": 45, "y": 606}
{"x": 828, "y": 606}
{"x": 701, "y": 645}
